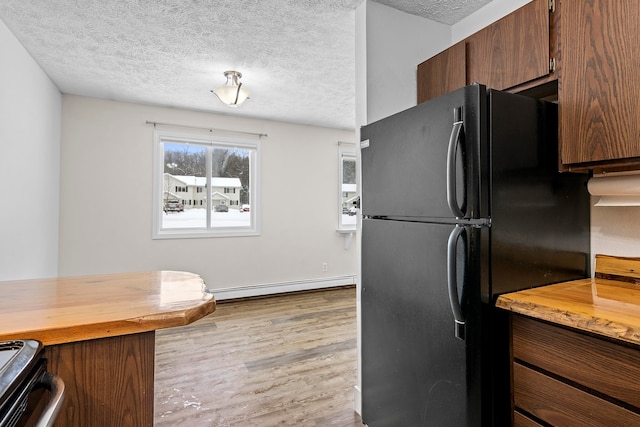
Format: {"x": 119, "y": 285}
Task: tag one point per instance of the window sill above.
{"x": 200, "y": 234}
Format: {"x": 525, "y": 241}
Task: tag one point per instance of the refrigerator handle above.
{"x": 452, "y": 281}
{"x": 454, "y": 139}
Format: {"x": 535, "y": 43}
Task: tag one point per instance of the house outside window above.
{"x": 203, "y": 173}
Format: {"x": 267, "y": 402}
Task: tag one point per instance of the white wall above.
{"x": 615, "y": 231}
{"x": 30, "y": 111}
{"x": 106, "y": 201}
{"x": 361, "y": 120}
{"x": 396, "y": 42}
{"x": 361, "y": 65}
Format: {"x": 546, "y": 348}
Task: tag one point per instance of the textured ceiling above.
{"x": 296, "y": 56}
{"x": 444, "y": 11}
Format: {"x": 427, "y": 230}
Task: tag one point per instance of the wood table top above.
{"x": 68, "y": 309}
{"x": 602, "y": 306}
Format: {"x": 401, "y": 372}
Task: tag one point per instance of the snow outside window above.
{"x": 205, "y": 186}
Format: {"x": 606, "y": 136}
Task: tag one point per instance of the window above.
{"x": 348, "y": 191}
{"x": 204, "y": 173}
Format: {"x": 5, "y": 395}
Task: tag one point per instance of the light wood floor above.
{"x": 284, "y": 360}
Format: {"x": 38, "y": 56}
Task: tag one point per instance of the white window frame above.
{"x": 210, "y": 141}
{"x": 346, "y": 150}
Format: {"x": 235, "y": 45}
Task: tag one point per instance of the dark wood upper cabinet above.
{"x": 442, "y": 73}
{"x": 595, "y": 46}
{"x": 508, "y": 53}
{"x": 599, "y": 84}
{"x": 513, "y": 50}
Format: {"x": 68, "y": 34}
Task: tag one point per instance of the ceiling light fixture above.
{"x": 232, "y": 93}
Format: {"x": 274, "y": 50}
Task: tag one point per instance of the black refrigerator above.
{"x": 461, "y": 201}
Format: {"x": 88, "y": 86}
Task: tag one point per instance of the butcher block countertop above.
{"x": 69, "y": 309}
{"x": 608, "y": 304}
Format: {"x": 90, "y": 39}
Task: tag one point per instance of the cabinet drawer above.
{"x": 520, "y": 420}
{"x": 598, "y": 364}
{"x": 560, "y": 404}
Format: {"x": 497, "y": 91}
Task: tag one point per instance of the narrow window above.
{"x": 348, "y": 191}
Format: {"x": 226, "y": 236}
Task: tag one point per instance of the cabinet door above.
{"x": 511, "y": 51}
{"x": 599, "y": 86}
{"x": 442, "y": 73}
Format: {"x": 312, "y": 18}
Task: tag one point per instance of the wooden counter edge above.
{"x": 603, "y": 327}
{"x": 615, "y": 268}
{"x": 117, "y": 328}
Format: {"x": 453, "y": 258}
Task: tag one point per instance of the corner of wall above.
{"x": 31, "y": 138}
{"x": 395, "y": 45}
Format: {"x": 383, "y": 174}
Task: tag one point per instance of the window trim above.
{"x": 244, "y": 142}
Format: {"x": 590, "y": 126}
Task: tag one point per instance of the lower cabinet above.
{"x": 564, "y": 377}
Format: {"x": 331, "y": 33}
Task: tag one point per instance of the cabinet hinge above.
{"x": 552, "y": 65}
{"x": 552, "y": 6}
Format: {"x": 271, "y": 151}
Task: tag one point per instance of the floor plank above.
{"x": 283, "y": 360}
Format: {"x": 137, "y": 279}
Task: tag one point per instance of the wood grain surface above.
{"x": 442, "y": 73}
{"x": 593, "y": 363}
{"x": 283, "y": 360}
{"x": 521, "y": 420}
{"x": 560, "y": 404}
{"x": 512, "y": 50}
{"x": 599, "y": 86}
{"x": 602, "y": 306}
{"x": 69, "y": 309}
{"x": 625, "y": 269}
{"x": 108, "y": 381}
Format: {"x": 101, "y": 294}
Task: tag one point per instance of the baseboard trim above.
{"x": 279, "y": 288}
{"x": 357, "y": 400}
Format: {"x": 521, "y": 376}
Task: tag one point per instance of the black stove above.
{"x": 22, "y": 371}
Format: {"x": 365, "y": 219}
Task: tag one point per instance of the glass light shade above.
{"x": 232, "y": 93}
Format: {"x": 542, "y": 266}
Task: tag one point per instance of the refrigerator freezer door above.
{"x": 415, "y": 372}
{"x": 407, "y": 161}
